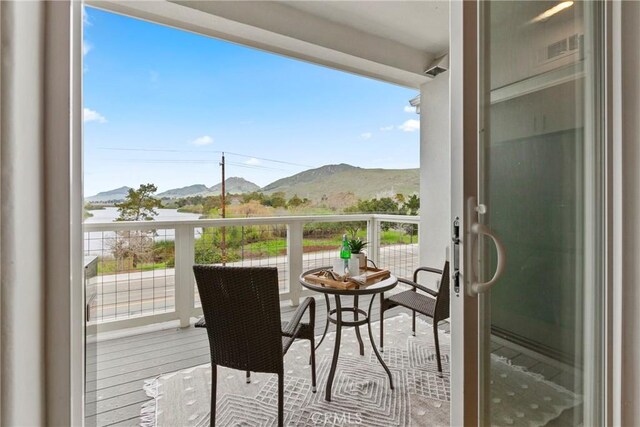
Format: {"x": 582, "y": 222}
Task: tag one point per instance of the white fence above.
{"x": 145, "y": 268}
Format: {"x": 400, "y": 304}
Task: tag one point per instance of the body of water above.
{"x": 100, "y": 242}
{"x": 110, "y": 215}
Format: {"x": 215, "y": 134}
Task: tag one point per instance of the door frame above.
{"x": 463, "y": 30}
{"x": 466, "y": 312}
{"x": 621, "y": 349}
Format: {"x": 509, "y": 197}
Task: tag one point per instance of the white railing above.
{"x": 132, "y": 292}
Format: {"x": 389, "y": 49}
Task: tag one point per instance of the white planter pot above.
{"x": 362, "y": 258}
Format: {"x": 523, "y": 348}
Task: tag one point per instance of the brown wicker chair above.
{"x": 241, "y": 308}
{"x": 434, "y": 304}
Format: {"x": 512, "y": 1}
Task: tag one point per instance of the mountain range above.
{"x": 233, "y": 185}
{"x": 314, "y": 184}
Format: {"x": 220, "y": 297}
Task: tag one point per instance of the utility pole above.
{"x": 223, "y": 238}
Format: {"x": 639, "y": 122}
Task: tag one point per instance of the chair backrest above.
{"x": 442, "y": 301}
{"x": 241, "y": 308}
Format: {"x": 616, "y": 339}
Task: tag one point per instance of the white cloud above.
{"x": 410, "y": 125}
{"x": 203, "y": 140}
{"x": 86, "y": 47}
{"x": 252, "y": 161}
{"x": 386, "y": 128}
{"x": 409, "y": 109}
{"x": 93, "y": 116}
{"x": 366, "y": 135}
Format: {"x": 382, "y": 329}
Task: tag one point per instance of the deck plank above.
{"x": 149, "y": 372}
{"x": 194, "y": 345}
{"x": 117, "y": 368}
{"x": 113, "y": 403}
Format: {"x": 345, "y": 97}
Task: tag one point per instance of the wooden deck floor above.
{"x": 118, "y": 367}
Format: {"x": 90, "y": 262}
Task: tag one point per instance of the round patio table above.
{"x": 335, "y": 316}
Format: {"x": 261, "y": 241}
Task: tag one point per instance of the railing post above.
{"x": 373, "y": 237}
{"x": 294, "y": 257}
{"x": 184, "y": 281}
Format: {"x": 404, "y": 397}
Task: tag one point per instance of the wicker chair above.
{"x": 241, "y": 308}
{"x": 433, "y": 304}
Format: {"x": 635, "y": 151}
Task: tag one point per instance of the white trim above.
{"x": 63, "y": 220}
{"x": 555, "y": 77}
{"x": 184, "y": 258}
{"x": 463, "y": 122}
{"x": 229, "y": 222}
{"x": 134, "y": 322}
{"x": 1, "y": 138}
{"x": 593, "y": 294}
{"x": 279, "y": 29}
{"x": 626, "y": 199}
{"x": 295, "y": 256}
{"x": 617, "y": 247}
{"x": 76, "y": 185}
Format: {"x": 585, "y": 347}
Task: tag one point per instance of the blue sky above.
{"x": 149, "y": 87}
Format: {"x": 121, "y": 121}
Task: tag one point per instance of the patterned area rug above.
{"x": 361, "y": 394}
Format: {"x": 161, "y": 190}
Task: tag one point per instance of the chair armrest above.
{"x": 419, "y": 286}
{"x": 293, "y": 327}
{"x": 427, "y": 269}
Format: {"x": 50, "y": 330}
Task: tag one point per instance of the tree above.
{"x": 254, "y": 195}
{"x": 252, "y": 208}
{"x": 139, "y": 204}
{"x": 295, "y": 201}
{"x": 276, "y": 200}
{"x": 413, "y": 205}
{"x": 385, "y": 205}
{"x": 132, "y": 247}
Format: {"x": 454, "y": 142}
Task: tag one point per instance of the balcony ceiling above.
{"x": 392, "y": 41}
{"x": 422, "y": 25}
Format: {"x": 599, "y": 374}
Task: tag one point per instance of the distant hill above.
{"x": 235, "y": 185}
{"x": 324, "y": 182}
{"x": 190, "y": 190}
{"x": 308, "y": 176}
{"x": 118, "y": 194}
{"x": 364, "y": 183}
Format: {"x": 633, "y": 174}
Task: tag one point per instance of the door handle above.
{"x": 478, "y": 287}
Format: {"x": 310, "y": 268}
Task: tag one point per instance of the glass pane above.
{"x": 537, "y": 183}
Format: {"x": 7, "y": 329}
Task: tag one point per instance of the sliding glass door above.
{"x": 532, "y": 262}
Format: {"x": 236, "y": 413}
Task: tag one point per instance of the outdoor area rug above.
{"x": 361, "y": 394}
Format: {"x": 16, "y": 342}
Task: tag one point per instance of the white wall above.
{"x": 22, "y": 372}
{"x": 435, "y": 174}
{"x": 35, "y": 279}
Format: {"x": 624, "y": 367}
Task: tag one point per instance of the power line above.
{"x": 244, "y": 165}
{"x": 271, "y": 160}
{"x": 204, "y": 151}
{"x": 195, "y": 161}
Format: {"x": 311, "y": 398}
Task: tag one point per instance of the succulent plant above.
{"x": 356, "y": 245}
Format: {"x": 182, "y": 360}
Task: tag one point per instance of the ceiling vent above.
{"x": 440, "y": 65}
{"x": 561, "y": 48}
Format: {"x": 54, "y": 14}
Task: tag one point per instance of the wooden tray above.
{"x": 366, "y": 277}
